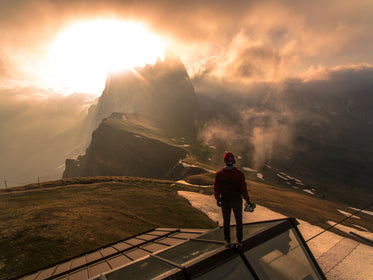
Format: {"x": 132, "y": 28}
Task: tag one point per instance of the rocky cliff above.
{"x": 116, "y": 151}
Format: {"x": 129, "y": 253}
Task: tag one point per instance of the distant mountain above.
{"x": 160, "y": 97}
{"x": 119, "y": 148}
{"x": 318, "y": 131}
{"x": 332, "y": 136}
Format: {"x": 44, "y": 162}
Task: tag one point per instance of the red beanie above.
{"x": 228, "y": 157}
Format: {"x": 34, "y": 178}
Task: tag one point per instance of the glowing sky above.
{"x": 85, "y": 52}
{"x": 229, "y": 47}
{"x": 232, "y": 40}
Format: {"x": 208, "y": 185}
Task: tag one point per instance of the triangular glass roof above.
{"x": 271, "y": 250}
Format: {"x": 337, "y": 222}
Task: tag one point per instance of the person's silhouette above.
{"x": 229, "y": 188}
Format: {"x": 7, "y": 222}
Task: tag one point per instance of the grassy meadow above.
{"x": 42, "y": 224}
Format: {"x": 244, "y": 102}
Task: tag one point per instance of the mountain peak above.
{"x": 163, "y": 92}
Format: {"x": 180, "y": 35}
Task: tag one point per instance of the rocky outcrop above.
{"x": 163, "y": 93}
{"x": 181, "y": 171}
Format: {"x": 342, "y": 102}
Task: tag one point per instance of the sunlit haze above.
{"x": 265, "y": 59}
{"x": 84, "y": 53}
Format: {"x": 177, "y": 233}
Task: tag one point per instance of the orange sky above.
{"x": 229, "y": 47}
{"x": 236, "y": 40}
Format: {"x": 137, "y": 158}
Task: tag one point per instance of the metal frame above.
{"x": 257, "y": 238}
{"x": 304, "y": 243}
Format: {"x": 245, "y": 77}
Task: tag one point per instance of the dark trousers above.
{"x": 227, "y": 208}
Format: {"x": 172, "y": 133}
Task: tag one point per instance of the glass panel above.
{"x": 134, "y": 241}
{"x": 146, "y": 269}
{"x": 231, "y": 270}
{"x": 93, "y": 256}
{"x": 118, "y": 260}
{"x": 159, "y": 233}
{"x": 45, "y": 273}
{"x": 136, "y": 254}
{"x": 154, "y": 247}
{"x": 170, "y": 241}
{"x": 108, "y": 251}
{"x": 62, "y": 268}
{"x": 80, "y": 274}
{"x": 189, "y": 251}
{"x": 248, "y": 230}
{"x": 146, "y": 237}
{"x": 78, "y": 262}
{"x": 282, "y": 257}
{"x": 98, "y": 268}
{"x": 122, "y": 246}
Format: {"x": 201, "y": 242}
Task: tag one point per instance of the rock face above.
{"x": 115, "y": 151}
{"x": 162, "y": 93}
{"x": 181, "y": 171}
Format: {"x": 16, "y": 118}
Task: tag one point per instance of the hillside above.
{"x": 298, "y": 203}
{"x": 318, "y": 131}
{"x": 128, "y": 145}
{"x": 121, "y": 147}
{"x": 147, "y": 120}
{"x": 42, "y": 226}
{"x": 56, "y": 220}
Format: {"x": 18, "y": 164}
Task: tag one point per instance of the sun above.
{"x": 84, "y": 53}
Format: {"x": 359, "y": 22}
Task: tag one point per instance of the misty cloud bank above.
{"x": 263, "y": 40}
{"x": 267, "y": 73}
{"x": 38, "y": 130}
{"x": 272, "y": 121}
{"x": 263, "y": 121}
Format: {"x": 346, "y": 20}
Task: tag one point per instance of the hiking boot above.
{"x": 228, "y": 245}
{"x": 239, "y": 245}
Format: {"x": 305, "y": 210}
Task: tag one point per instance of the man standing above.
{"x": 229, "y": 188}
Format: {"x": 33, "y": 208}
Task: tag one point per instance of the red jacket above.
{"x": 230, "y": 183}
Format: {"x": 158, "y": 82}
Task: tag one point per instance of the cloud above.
{"x": 3, "y": 71}
{"x": 252, "y": 123}
{"x": 331, "y": 107}
{"x": 37, "y": 131}
{"x": 39, "y": 111}
{"x": 277, "y": 41}
{"x": 277, "y": 37}
{"x": 261, "y": 142}
{"x": 261, "y": 54}
{"x": 270, "y": 141}
{"x": 252, "y": 60}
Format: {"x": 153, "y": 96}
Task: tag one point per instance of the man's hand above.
{"x": 218, "y": 202}
{"x": 249, "y": 206}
